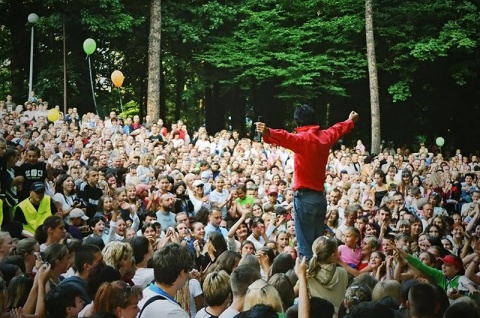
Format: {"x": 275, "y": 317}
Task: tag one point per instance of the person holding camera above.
{"x": 65, "y": 196}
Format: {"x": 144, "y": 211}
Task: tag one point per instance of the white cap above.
{"x": 78, "y": 213}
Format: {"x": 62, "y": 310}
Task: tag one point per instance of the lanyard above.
{"x": 160, "y": 291}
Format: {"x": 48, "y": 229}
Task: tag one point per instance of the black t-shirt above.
{"x": 89, "y": 196}
{"x": 154, "y": 138}
{"x": 32, "y": 173}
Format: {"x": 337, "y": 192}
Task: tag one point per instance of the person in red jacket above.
{"x": 311, "y": 146}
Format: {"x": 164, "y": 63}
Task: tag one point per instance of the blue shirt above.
{"x": 210, "y": 228}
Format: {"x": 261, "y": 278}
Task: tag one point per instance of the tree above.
{"x": 154, "y": 54}
{"x": 373, "y": 78}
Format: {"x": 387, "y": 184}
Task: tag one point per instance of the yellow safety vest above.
{"x": 33, "y": 217}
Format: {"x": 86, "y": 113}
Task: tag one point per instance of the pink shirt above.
{"x": 348, "y": 256}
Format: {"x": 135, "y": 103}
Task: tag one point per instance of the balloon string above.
{"x": 91, "y": 84}
{"x": 120, "y": 96}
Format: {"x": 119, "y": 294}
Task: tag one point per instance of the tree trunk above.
{"x": 154, "y": 66}
{"x": 373, "y": 78}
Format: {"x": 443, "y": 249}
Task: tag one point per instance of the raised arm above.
{"x": 303, "y": 297}
{"x": 471, "y": 272}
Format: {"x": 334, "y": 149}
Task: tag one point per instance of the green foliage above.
{"x": 400, "y": 91}
{"x": 300, "y": 49}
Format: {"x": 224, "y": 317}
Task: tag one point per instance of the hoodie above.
{"x": 330, "y": 283}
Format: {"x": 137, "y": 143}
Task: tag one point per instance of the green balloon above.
{"x": 440, "y": 141}
{"x": 89, "y": 46}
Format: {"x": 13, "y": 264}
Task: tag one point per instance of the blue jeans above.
{"x": 310, "y": 209}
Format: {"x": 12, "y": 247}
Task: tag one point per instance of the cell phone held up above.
{"x": 258, "y": 136}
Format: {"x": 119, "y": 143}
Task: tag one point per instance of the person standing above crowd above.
{"x": 311, "y": 146}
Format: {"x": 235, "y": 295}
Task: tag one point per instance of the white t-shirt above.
{"x": 143, "y": 277}
{"x": 257, "y": 243}
{"x": 219, "y": 198}
{"x": 164, "y": 308}
{"x": 229, "y": 313}
{"x": 195, "y": 291}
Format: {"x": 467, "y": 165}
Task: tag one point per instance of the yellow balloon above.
{"x": 53, "y": 115}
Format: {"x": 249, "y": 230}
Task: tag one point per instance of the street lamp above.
{"x": 32, "y": 19}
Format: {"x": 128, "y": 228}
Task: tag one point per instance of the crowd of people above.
{"x": 128, "y": 218}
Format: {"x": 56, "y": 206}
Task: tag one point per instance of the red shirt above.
{"x": 311, "y": 146}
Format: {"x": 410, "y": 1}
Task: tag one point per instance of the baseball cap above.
{"x": 139, "y": 188}
{"x": 452, "y": 260}
{"x": 198, "y": 183}
{"x": 255, "y": 221}
{"x": 205, "y": 175}
{"x": 272, "y": 190}
{"x": 37, "y": 187}
{"x": 78, "y": 213}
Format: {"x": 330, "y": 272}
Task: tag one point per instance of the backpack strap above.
{"x": 151, "y": 300}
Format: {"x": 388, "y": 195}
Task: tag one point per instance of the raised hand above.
{"x": 353, "y": 116}
{"x": 301, "y": 267}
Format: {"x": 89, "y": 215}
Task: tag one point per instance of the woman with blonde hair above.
{"x": 118, "y": 298}
{"x": 386, "y": 288}
{"x": 217, "y": 294}
{"x": 119, "y": 255}
{"x": 145, "y": 170}
{"x": 325, "y": 279}
{"x": 260, "y": 292}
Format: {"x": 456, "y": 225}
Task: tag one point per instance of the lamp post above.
{"x": 32, "y": 19}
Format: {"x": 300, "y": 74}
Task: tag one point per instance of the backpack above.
{"x": 151, "y": 300}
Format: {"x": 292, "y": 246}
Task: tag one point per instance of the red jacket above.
{"x": 311, "y": 147}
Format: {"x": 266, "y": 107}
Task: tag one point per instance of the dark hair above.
{"x": 24, "y": 246}
{"x": 218, "y": 241}
{"x": 226, "y": 261}
{"x": 94, "y": 240}
{"x": 282, "y": 264}
{"x": 59, "y": 298}
{"x": 93, "y": 221}
{"x": 18, "y": 291}
{"x": 145, "y": 226}
{"x": 258, "y": 311}
{"x": 368, "y": 309}
{"x": 59, "y": 183}
{"x": 34, "y": 148}
{"x": 202, "y": 215}
{"x": 319, "y": 308}
{"x": 9, "y": 153}
{"x": 241, "y": 278}
{"x": 140, "y": 246}
{"x": 55, "y": 252}
{"x": 15, "y": 260}
{"x": 100, "y": 274}
{"x": 285, "y": 289}
{"x": 85, "y": 254}
{"x": 304, "y": 115}
{"x": 423, "y": 299}
{"x": 246, "y": 243}
{"x": 41, "y": 233}
{"x": 169, "y": 262}
{"x": 463, "y": 308}
{"x": 73, "y": 244}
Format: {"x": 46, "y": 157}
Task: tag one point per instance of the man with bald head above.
{"x": 165, "y": 216}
